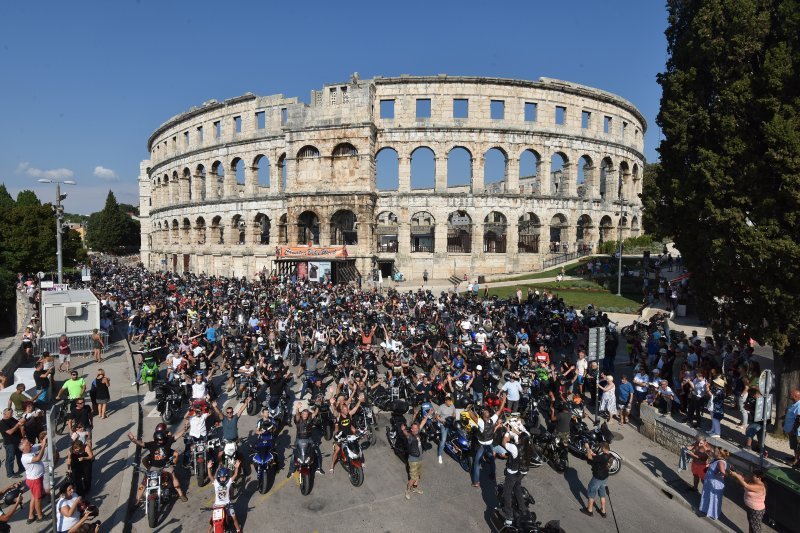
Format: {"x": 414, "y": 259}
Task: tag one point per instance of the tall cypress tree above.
{"x": 729, "y": 180}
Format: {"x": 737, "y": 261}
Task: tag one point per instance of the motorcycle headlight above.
{"x": 199, "y": 447}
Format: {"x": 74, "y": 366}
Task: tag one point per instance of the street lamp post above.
{"x": 619, "y": 249}
{"x": 59, "y": 221}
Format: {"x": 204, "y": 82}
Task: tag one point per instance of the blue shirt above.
{"x": 791, "y": 416}
{"x": 211, "y": 335}
{"x": 624, "y": 391}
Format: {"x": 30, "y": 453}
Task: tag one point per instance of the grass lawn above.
{"x": 575, "y": 269}
{"x": 577, "y": 295}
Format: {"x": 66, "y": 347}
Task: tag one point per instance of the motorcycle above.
{"x": 149, "y": 371}
{"x": 394, "y": 434}
{"x": 351, "y": 457}
{"x": 199, "y": 451}
{"x": 264, "y": 461}
{"x": 458, "y": 444}
{"x": 250, "y": 391}
{"x": 582, "y": 435}
{"x": 324, "y": 420}
{"x": 553, "y": 450}
{"x": 365, "y": 422}
{"x": 229, "y": 457}
{"x": 221, "y": 521}
{"x": 305, "y": 464}
{"x": 158, "y": 491}
{"x": 277, "y": 410}
{"x": 524, "y": 519}
{"x": 169, "y": 398}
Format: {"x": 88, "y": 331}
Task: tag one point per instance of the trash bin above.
{"x": 481, "y": 280}
{"x": 783, "y": 493}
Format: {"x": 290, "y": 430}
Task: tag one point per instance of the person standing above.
{"x": 608, "y": 400}
{"x": 102, "y": 394}
{"x": 714, "y": 485}
{"x": 699, "y": 452}
{"x": 425, "y": 277}
{"x": 97, "y": 346}
{"x": 624, "y": 399}
{"x": 791, "y": 425}
{"x": 415, "y": 457}
{"x": 67, "y": 513}
{"x": 597, "y": 485}
{"x": 64, "y": 352}
{"x": 513, "y": 389}
{"x": 34, "y": 476}
{"x": 12, "y": 435}
{"x": 487, "y": 424}
{"x": 445, "y": 412}
{"x": 79, "y": 463}
{"x": 512, "y": 484}
{"x": 755, "y": 492}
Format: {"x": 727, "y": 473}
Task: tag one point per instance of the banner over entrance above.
{"x": 311, "y": 252}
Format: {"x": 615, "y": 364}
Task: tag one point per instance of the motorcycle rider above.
{"x": 512, "y": 485}
{"x": 487, "y": 424}
{"x": 344, "y": 423}
{"x": 302, "y": 420}
{"x": 222, "y": 492}
{"x": 246, "y": 371}
{"x": 265, "y": 423}
{"x": 161, "y": 456}
{"x": 230, "y": 425}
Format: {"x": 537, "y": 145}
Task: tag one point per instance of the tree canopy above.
{"x": 729, "y": 181}
{"x": 112, "y": 230}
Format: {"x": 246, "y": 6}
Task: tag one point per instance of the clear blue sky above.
{"x": 86, "y": 82}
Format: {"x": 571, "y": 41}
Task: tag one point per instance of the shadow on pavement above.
{"x": 575, "y": 485}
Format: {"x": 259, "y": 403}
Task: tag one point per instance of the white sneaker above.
{"x": 440, "y": 459}
{"x": 133, "y": 384}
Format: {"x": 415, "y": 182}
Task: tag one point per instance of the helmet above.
{"x": 223, "y": 472}
{"x": 260, "y": 340}
{"x": 162, "y": 427}
{"x": 577, "y": 400}
{"x": 230, "y": 449}
{"x": 160, "y": 437}
{"x": 479, "y": 368}
{"x": 198, "y": 373}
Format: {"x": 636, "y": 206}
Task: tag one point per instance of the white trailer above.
{"x": 70, "y": 311}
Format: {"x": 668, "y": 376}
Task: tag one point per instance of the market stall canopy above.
{"x": 311, "y": 252}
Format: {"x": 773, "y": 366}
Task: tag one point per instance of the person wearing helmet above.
{"x": 222, "y": 491}
{"x": 161, "y": 456}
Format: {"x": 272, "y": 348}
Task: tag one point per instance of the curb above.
{"x": 659, "y": 483}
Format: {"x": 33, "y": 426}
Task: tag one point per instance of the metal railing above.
{"x": 79, "y": 342}
{"x": 563, "y": 258}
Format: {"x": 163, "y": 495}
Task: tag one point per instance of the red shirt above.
{"x": 542, "y": 357}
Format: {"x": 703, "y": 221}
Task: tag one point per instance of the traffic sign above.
{"x": 597, "y": 344}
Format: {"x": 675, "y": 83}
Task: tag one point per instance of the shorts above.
{"x": 597, "y": 488}
{"x": 63, "y": 358}
{"x": 579, "y": 379}
{"x": 101, "y": 401}
{"x": 623, "y": 407}
{"x": 752, "y": 430}
{"x": 414, "y": 470}
{"x": 36, "y": 486}
{"x": 699, "y": 469}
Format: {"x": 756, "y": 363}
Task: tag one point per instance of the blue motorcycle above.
{"x": 264, "y": 461}
{"x": 458, "y": 444}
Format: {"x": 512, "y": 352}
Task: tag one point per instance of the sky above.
{"x": 85, "y": 83}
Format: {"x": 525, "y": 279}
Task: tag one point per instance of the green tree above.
{"x": 730, "y": 166}
{"x": 28, "y": 198}
{"x": 651, "y": 199}
{"x": 6, "y": 200}
{"x": 112, "y": 230}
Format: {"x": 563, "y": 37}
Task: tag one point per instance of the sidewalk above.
{"x": 111, "y": 483}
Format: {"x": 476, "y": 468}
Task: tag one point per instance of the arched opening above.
{"x": 308, "y": 228}
{"x": 344, "y": 228}
{"x": 423, "y": 232}
{"x": 283, "y": 229}
{"x": 174, "y": 236}
{"x": 261, "y": 167}
{"x": 494, "y": 233}
{"x": 635, "y": 186}
{"x": 623, "y": 180}
{"x": 200, "y": 229}
{"x": 423, "y": 168}
{"x": 459, "y": 232}
{"x": 237, "y": 167}
{"x": 187, "y": 179}
{"x": 635, "y": 226}
{"x": 584, "y": 233}
{"x": 186, "y": 228}
{"x": 386, "y": 231}
{"x": 262, "y": 227}
{"x": 218, "y": 177}
{"x": 529, "y": 162}
{"x": 308, "y": 152}
{"x": 344, "y": 150}
{"x": 558, "y": 232}
{"x": 459, "y": 167}
{"x": 495, "y": 167}
{"x": 558, "y": 177}
{"x": 217, "y": 230}
{"x": 529, "y": 228}
{"x": 606, "y": 229}
{"x": 200, "y": 176}
{"x": 585, "y": 176}
{"x": 283, "y": 171}
{"x": 606, "y": 168}
{"x": 238, "y": 229}
{"x": 623, "y": 228}
{"x": 387, "y": 170}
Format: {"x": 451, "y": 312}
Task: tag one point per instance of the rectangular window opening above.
{"x": 345, "y": 95}
{"x": 423, "y": 108}
{"x": 606, "y": 124}
{"x": 333, "y": 95}
{"x": 586, "y": 120}
{"x": 460, "y": 108}
{"x": 284, "y": 115}
{"x": 387, "y": 108}
{"x": 530, "y": 111}
{"x": 261, "y": 120}
{"x": 497, "y": 109}
{"x": 624, "y": 128}
{"x": 561, "y": 115}
{"x": 237, "y": 124}
{"x": 186, "y": 138}
{"x": 217, "y": 129}
{"x": 200, "y": 134}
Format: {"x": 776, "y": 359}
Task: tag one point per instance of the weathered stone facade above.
{"x": 321, "y": 157}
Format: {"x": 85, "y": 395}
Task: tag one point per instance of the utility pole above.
{"x": 619, "y": 249}
{"x": 59, "y": 222}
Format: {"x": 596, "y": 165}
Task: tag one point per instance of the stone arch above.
{"x": 237, "y": 168}
{"x": 606, "y": 229}
{"x": 200, "y": 230}
{"x": 495, "y": 169}
{"x": 261, "y": 168}
{"x": 344, "y": 228}
{"x": 174, "y": 235}
{"x": 283, "y": 229}
{"x": 387, "y": 231}
{"x": 283, "y": 171}
{"x": 187, "y": 179}
{"x": 586, "y": 178}
{"x": 622, "y": 228}
{"x": 529, "y": 163}
{"x": 529, "y": 229}
{"x": 584, "y": 231}
{"x": 494, "y": 233}
{"x": 200, "y": 178}
{"x": 423, "y": 168}
{"x": 344, "y": 150}
{"x": 558, "y": 231}
{"x": 387, "y": 169}
{"x": 308, "y": 152}
{"x": 459, "y": 167}
{"x": 218, "y": 230}
{"x": 308, "y": 228}
{"x": 217, "y": 177}
{"x": 559, "y": 163}
{"x": 186, "y": 228}
{"x": 606, "y": 168}
{"x": 238, "y": 229}
{"x": 459, "y": 232}
{"x": 308, "y": 165}
{"x": 261, "y": 228}
{"x": 344, "y": 162}
{"x": 635, "y": 229}
{"x": 423, "y": 232}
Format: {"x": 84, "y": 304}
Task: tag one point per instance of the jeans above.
{"x": 513, "y": 405}
{"x": 13, "y": 452}
{"x": 740, "y": 399}
{"x": 512, "y": 488}
{"x": 476, "y": 461}
{"x": 477, "y": 397}
{"x": 305, "y": 386}
{"x": 716, "y": 427}
{"x": 443, "y": 431}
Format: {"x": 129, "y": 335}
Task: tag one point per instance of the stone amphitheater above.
{"x": 444, "y": 174}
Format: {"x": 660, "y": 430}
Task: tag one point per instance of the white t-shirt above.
{"x": 66, "y": 522}
{"x": 513, "y": 388}
{"x": 199, "y": 390}
{"x": 643, "y": 378}
{"x": 511, "y": 448}
{"x": 176, "y": 362}
{"x": 581, "y": 365}
{"x": 197, "y": 426}
{"x": 222, "y": 493}
{"x": 480, "y": 337}
{"x": 480, "y": 428}
{"x": 32, "y": 470}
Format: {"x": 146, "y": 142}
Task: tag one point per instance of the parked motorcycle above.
{"x": 324, "y": 421}
{"x": 305, "y": 464}
{"x": 264, "y": 461}
{"x": 582, "y": 435}
{"x": 553, "y": 450}
{"x": 149, "y": 371}
{"x": 524, "y": 519}
{"x": 351, "y": 457}
{"x": 458, "y": 444}
{"x": 158, "y": 492}
{"x": 221, "y": 521}
{"x": 365, "y": 422}
{"x": 169, "y": 398}
{"x": 196, "y": 456}
{"x": 229, "y": 457}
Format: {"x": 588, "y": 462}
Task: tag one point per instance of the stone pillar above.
{"x": 324, "y": 233}
{"x": 404, "y": 238}
{"x": 291, "y": 174}
{"x": 229, "y": 185}
{"x": 250, "y": 180}
{"x": 441, "y": 174}
{"x": 569, "y": 183}
{"x": 590, "y": 182}
{"x": 477, "y": 174}
{"x": 611, "y": 185}
{"x": 404, "y": 174}
{"x": 636, "y": 185}
{"x": 512, "y": 176}
{"x": 186, "y": 189}
{"x": 543, "y": 173}
{"x": 512, "y": 238}
{"x": 211, "y": 185}
{"x": 440, "y": 237}
{"x": 477, "y": 237}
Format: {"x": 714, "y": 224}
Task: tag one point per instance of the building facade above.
{"x": 252, "y": 183}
